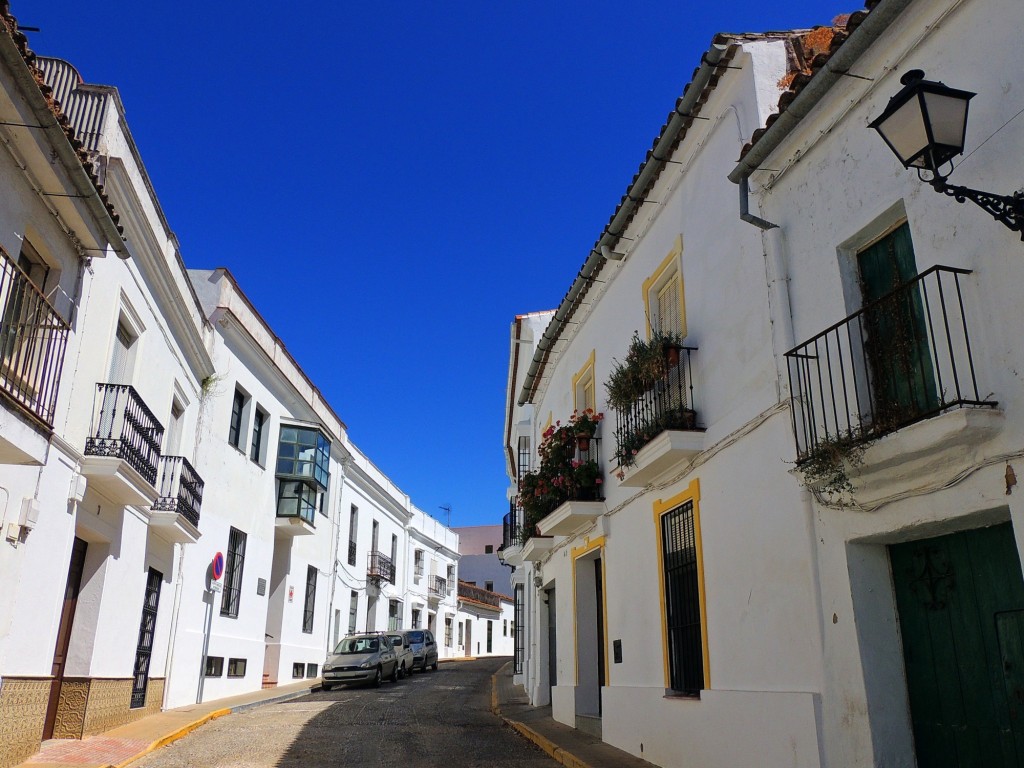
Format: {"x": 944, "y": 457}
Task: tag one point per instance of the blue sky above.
{"x": 392, "y": 182}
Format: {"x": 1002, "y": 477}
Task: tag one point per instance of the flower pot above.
{"x": 583, "y": 441}
{"x": 689, "y": 419}
{"x": 671, "y": 353}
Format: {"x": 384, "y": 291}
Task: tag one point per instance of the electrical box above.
{"x": 29, "y": 514}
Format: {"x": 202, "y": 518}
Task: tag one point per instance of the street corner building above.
{"x": 762, "y": 458}
{"x": 183, "y": 516}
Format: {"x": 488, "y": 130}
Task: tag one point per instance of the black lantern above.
{"x": 925, "y": 125}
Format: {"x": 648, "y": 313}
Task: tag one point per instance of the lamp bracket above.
{"x": 1008, "y": 209}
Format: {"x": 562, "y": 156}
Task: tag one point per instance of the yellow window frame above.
{"x": 661, "y": 508}
{"x": 670, "y": 269}
{"x": 583, "y": 383}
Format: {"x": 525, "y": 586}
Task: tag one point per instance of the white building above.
{"x": 153, "y": 431}
{"x": 709, "y": 608}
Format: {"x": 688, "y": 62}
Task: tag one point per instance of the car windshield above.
{"x": 358, "y": 645}
{"x": 415, "y": 637}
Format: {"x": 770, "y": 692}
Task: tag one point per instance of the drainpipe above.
{"x": 745, "y": 213}
{"x": 169, "y": 663}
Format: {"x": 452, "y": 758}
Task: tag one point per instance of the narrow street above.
{"x": 438, "y": 718}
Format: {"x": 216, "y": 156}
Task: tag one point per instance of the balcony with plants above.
{"x": 566, "y": 489}
{"x": 652, "y": 393}
{"x": 901, "y": 363}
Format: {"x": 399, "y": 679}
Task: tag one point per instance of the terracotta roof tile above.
{"x": 10, "y": 27}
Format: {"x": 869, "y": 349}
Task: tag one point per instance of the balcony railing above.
{"x": 479, "y": 595}
{"x": 437, "y": 586}
{"x": 512, "y": 526}
{"x": 181, "y": 488}
{"x": 900, "y": 359}
{"x": 669, "y": 404}
{"x": 125, "y": 429}
{"x": 379, "y": 567}
{"x": 33, "y": 338}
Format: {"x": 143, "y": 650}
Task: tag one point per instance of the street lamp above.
{"x": 925, "y": 125}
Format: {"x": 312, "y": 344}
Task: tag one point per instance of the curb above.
{"x": 553, "y": 750}
{"x": 186, "y": 729}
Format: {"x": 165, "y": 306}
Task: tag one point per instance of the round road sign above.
{"x": 218, "y": 566}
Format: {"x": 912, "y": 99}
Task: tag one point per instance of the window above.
{"x": 461, "y": 628}
{"x": 394, "y": 615}
{"x": 490, "y": 636}
{"x": 353, "y": 611}
{"x": 450, "y": 583}
{"x": 259, "y": 421}
{"x": 296, "y": 499}
{"x": 488, "y": 549}
{"x": 232, "y": 593}
{"x": 583, "y": 392}
{"x": 214, "y": 666}
{"x": 663, "y": 295}
{"x": 489, "y": 586}
{"x": 417, "y": 564}
{"x": 172, "y": 438}
{"x": 236, "y": 667}
{"x": 238, "y": 404}
{"x": 298, "y": 670}
{"x": 518, "y": 646}
{"x": 353, "y": 523}
{"x": 312, "y": 669}
{"x": 683, "y": 614}
{"x": 415, "y": 618}
{"x": 304, "y": 453}
{"x": 308, "y": 608}
{"x": 448, "y": 631}
{"x": 394, "y": 551}
{"x": 504, "y": 627}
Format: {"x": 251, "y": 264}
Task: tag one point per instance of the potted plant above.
{"x": 671, "y": 344}
{"x": 584, "y": 425}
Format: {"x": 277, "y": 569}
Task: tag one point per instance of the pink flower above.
{"x": 598, "y": 481}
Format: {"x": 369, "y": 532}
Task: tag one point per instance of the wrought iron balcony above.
{"x": 379, "y": 567}
{"x": 899, "y": 359}
{"x": 181, "y": 489}
{"x": 124, "y": 428}
{"x": 667, "y": 405}
{"x": 33, "y": 337}
{"x": 512, "y": 526}
{"x": 437, "y": 586}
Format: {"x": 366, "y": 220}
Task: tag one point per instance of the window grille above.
{"x": 232, "y": 593}
{"x": 682, "y": 600}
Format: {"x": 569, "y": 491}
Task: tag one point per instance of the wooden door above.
{"x": 67, "y": 620}
{"x": 960, "y": 599}
{"x": 902, "y": 375}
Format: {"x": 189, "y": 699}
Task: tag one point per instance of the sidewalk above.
{"x": 126, "y": 743}
{"x": 570, "y": 747}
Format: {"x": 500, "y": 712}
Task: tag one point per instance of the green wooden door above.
{"x": 902, "y": 377}
{"x": 961, "y": 611}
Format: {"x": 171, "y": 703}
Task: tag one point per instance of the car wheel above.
{"x": 326, "y": 686}
{"x": 394, "y": 673}
{"x": 377, "y": 677}
{"x": 434, "y": 666}
{"x": 401, "y": 671}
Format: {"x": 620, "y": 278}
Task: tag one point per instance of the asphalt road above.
{"x": 430, "y": 719}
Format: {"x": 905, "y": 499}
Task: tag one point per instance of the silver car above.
{"x": 404, "y": 653}
{"x": 366, "y": 658}
{"x": 423, "y": 646}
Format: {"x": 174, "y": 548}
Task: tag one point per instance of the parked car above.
{"x": 423, "y": 646}
{"x": 364, "y": 658}
{"x": 404, "y": 653}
